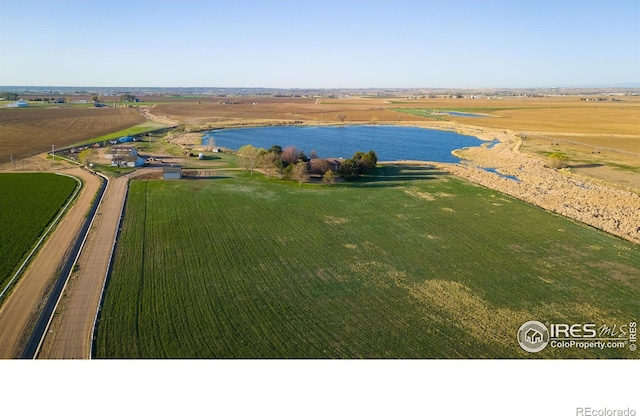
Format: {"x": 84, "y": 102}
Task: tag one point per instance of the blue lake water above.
{"x": 389, "y": 142}
{"x": 493, "y": 170}
{"x": 461, "y": 114}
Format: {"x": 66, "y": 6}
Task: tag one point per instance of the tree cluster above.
{"x": 127, "y": 98}
{"x": 9, "y": 96}
{"x": 293, "y": 164}
{"x": 359, "y": 164}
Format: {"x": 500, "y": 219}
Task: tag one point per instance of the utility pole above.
{"x": 53, "y": 154}
{"x": 12, "y": 162}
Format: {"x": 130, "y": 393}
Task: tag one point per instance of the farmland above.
{"x": 33, "y": 200}
{"x": 27, "y": 131}
{"x": 409, "y": 262}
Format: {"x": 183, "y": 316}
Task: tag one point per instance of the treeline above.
{"x": 9, "y": 96}
{"x": 293, "y": 164}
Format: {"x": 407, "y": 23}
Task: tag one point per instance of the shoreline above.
{"x": 592, "y": 202}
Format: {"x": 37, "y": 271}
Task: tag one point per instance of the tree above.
{"x": 366, "y": 161}
{"x": 329, "y": 177}
{"x": 299, "y": 172}
{"x": 319, "y": 166}
{"x": 9, "y": 96}
{"x": 313, "y": 154}
{"x": 276, "y": 149}
{"x": 250, "y": 156}
{"x": 341, "y": 117}
{"x": 95, "y": 99}
{"x": 127, "y": 98}
{"x": 349, "y": 169}
{"x": 290, "y": 155}
{"x": 271, "y": 162}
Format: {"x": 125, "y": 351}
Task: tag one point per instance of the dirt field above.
{"x": 23, "y": 306}
{"x": 28, "y": 131}
{"x": 251, "y": 110}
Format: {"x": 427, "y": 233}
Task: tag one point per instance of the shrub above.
{"x": 558, "y": 160}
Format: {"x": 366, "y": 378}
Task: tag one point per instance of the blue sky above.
{"x": 320, "y": 44}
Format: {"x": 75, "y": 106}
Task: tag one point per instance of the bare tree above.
{"x": 271, "y": 163}
{"x": 250, "y": 156}
{"x": 290, "y": 155}
{"x": 341, "y": 117}
{"x": 319, "y": 166}
{"x": 299, "y": 173}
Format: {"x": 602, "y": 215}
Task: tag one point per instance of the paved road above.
{"x": 69, "y": 335}
{"x": 22, "y": 308}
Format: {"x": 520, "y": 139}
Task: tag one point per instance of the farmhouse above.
{"x": 172, "y": 172}
{"x": 335, "y": 163}
{"x": 124, "y": 156}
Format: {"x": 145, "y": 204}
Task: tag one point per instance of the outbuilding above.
{"x": 18, "y": 104}
{"x": 126, "y": 139}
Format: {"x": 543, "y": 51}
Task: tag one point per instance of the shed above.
{"x": 126, "y": 139}
{"x": 18, "y": 104}
{"x": 127, "y": 161}
{"x": 172, "y": 172}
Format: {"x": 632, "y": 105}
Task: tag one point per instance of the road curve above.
{"x": 22, "y": 308}
{"x": 70, "y": 332}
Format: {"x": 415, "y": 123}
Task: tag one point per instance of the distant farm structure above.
{"x": 125, "y": 156}
{"x": 18, "y": 104}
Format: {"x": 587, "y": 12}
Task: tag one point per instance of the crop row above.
{"x": 242, "y": 267}
{"x": 28, "y": 203}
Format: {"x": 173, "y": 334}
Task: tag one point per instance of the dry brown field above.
{"x": 601, "y": 138}
{"x": 27, "y": 131}
{"x": 259, "y": 109}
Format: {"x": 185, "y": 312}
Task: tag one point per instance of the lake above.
{"x": 389, "y": 142}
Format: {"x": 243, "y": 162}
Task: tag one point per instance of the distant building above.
{"x": 125, "y": 156}
{"x": 18, "y": 104}
{"x": 172, "y": 172}
{"x": 127, "y": 161}
{"x": 121, "y": 151}
{"x": 126, "y": 139}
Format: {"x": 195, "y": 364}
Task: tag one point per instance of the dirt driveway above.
{"x": 70, "y": 332}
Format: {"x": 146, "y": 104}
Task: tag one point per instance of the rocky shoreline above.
{"x": 592, "y": 202}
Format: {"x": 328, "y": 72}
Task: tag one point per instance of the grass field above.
{"x": 407, "y": 263}
{"x": 27, "y": 131}
{"x": 141, "y": 128}
{"x": 28, "y": 203}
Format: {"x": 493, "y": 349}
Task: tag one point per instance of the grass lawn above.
{"x": 28, "y": 203}
{"x": 409, "y": 262}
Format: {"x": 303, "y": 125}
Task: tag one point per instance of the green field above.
{"x": 147, "y": 126}
{"x": 28, "y": 203}
{"x": 410, "y": 262}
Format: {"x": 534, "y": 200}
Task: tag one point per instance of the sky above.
{"x": 320, "y": 44}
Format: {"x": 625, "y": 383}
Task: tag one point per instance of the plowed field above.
{"x": 27, "y": 131}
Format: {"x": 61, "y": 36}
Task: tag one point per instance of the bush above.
{"x": 558, "y": 160}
